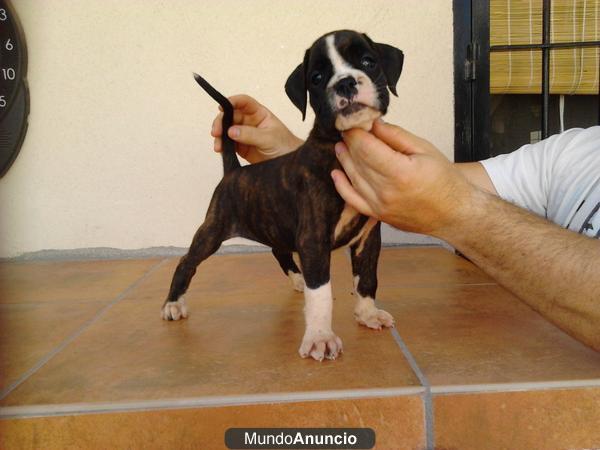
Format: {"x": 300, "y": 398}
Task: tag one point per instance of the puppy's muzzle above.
{"x": 346, "y": 88}
{"x": 346, "y": 92}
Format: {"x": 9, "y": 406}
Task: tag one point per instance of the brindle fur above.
{"x": 290, "y": 203}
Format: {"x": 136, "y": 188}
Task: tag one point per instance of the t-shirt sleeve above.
{"x": 552, "y": 177}
{"x": 521, "y": 177}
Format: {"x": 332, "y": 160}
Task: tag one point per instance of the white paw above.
{"x": 297, "y": 281}
{"x": 174, "y": 310}
{"x": 372, "y": 317}
{"x": 319, "y": 345}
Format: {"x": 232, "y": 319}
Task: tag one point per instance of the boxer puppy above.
{"x": 290, "y": 203}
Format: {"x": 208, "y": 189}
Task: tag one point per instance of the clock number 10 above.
{"x": 8, "y": 74}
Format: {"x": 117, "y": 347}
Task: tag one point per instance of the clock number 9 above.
{"x": 3, "y": 15}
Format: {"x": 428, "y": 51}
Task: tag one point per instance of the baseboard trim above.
{"x": 95, "y": 253}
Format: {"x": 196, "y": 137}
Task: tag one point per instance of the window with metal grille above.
{"x": 524, "y": 69}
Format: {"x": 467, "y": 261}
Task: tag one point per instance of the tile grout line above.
{"x": 429, "y": 423}
{"x": 80, "y": 302}
{"x": 108, "y": 253}
{"x": 527, "y": 386}
{"x": 20, "y": 412}
{"x": 50, "y": 410}
{"x": 5, "y": 392}
{"x": 55, "y": 301}
{"x": 434, "y": 285}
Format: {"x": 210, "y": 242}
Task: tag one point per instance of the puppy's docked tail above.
{"x": 230, "y": 160}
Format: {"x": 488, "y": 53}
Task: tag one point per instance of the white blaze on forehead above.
{"x": 341, "y": 68}
{"x": 367, "y": 93}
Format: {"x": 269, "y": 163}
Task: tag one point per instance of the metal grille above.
{"x": 546, "y": 46}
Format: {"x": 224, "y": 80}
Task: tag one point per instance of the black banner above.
{"x": 300, "y": 438}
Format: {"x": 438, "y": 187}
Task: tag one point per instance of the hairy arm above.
{"x": 553, "y": 270}
{"x": 477, "y": 175}
{"x": 405, "y": 181}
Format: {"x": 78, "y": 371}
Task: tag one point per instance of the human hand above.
{"x": 259, "y": 134}
{"x": 401, "y": 179}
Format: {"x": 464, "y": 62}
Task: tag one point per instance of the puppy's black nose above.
{"x": 346, "y": 87}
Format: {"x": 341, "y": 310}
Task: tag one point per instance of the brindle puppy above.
{"x": 290, "y": 203}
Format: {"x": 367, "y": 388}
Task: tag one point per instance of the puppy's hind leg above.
{"x": 206, "y": 241}
{"x": 289, "y": 267}
{"x": 365, "y": 254}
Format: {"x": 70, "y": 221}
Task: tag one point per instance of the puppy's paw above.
{"x": 297, "y": 281}
{"x": 370, "y": 316}
{"x": 174, "y": 310}
{"x": 319, "y": 345}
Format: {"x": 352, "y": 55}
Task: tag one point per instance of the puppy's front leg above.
{"x": 365, "y": 254}
{"x": 319, "y": 339}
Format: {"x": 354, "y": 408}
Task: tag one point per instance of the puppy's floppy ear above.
{"x": 391, "y": 60}
{"x": 296, "y": 87}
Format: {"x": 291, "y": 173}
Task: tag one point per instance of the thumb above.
{"x": 398, "y": 138}
{"x": 349, "y": 194}
{"x": 249, "y": 135}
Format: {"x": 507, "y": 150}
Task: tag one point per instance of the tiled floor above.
{"x": 86, "y": 361}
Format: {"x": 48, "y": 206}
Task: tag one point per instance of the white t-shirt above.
{"x": 557, "y": 178}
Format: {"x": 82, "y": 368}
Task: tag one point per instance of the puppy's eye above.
{"x": 316, "y": 78}
{"x": 368, "y": 62}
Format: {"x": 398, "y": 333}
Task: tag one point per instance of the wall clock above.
{"x": 14, "y": 93}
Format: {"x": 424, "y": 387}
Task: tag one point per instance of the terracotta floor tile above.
{"x": 29, "y": 331}
{"x": 68, "y": 280}
{"x": 243, "y": 274}
{"x": 426, "y": 266}
{"x": 231, "y": 344}
{"x": 226, "y": 276}
{"x": 483, "y": 334}
{"x": 242, "y": 336}
{"x": 553, "y": 419}
{"x": 397, "y": 421}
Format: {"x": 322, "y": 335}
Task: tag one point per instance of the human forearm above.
{"x": 553, "y": 270}
{"x": 477, "y": 175}
{"x": 403, "y": 180}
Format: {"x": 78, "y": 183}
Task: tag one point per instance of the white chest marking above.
{"x": 297, "y": 281}
{"x": 348, "y": 214}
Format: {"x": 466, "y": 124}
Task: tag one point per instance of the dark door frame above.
{"x": 471, "y": 80}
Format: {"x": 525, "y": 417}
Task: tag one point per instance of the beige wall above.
{"x": 118, "y": 152}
